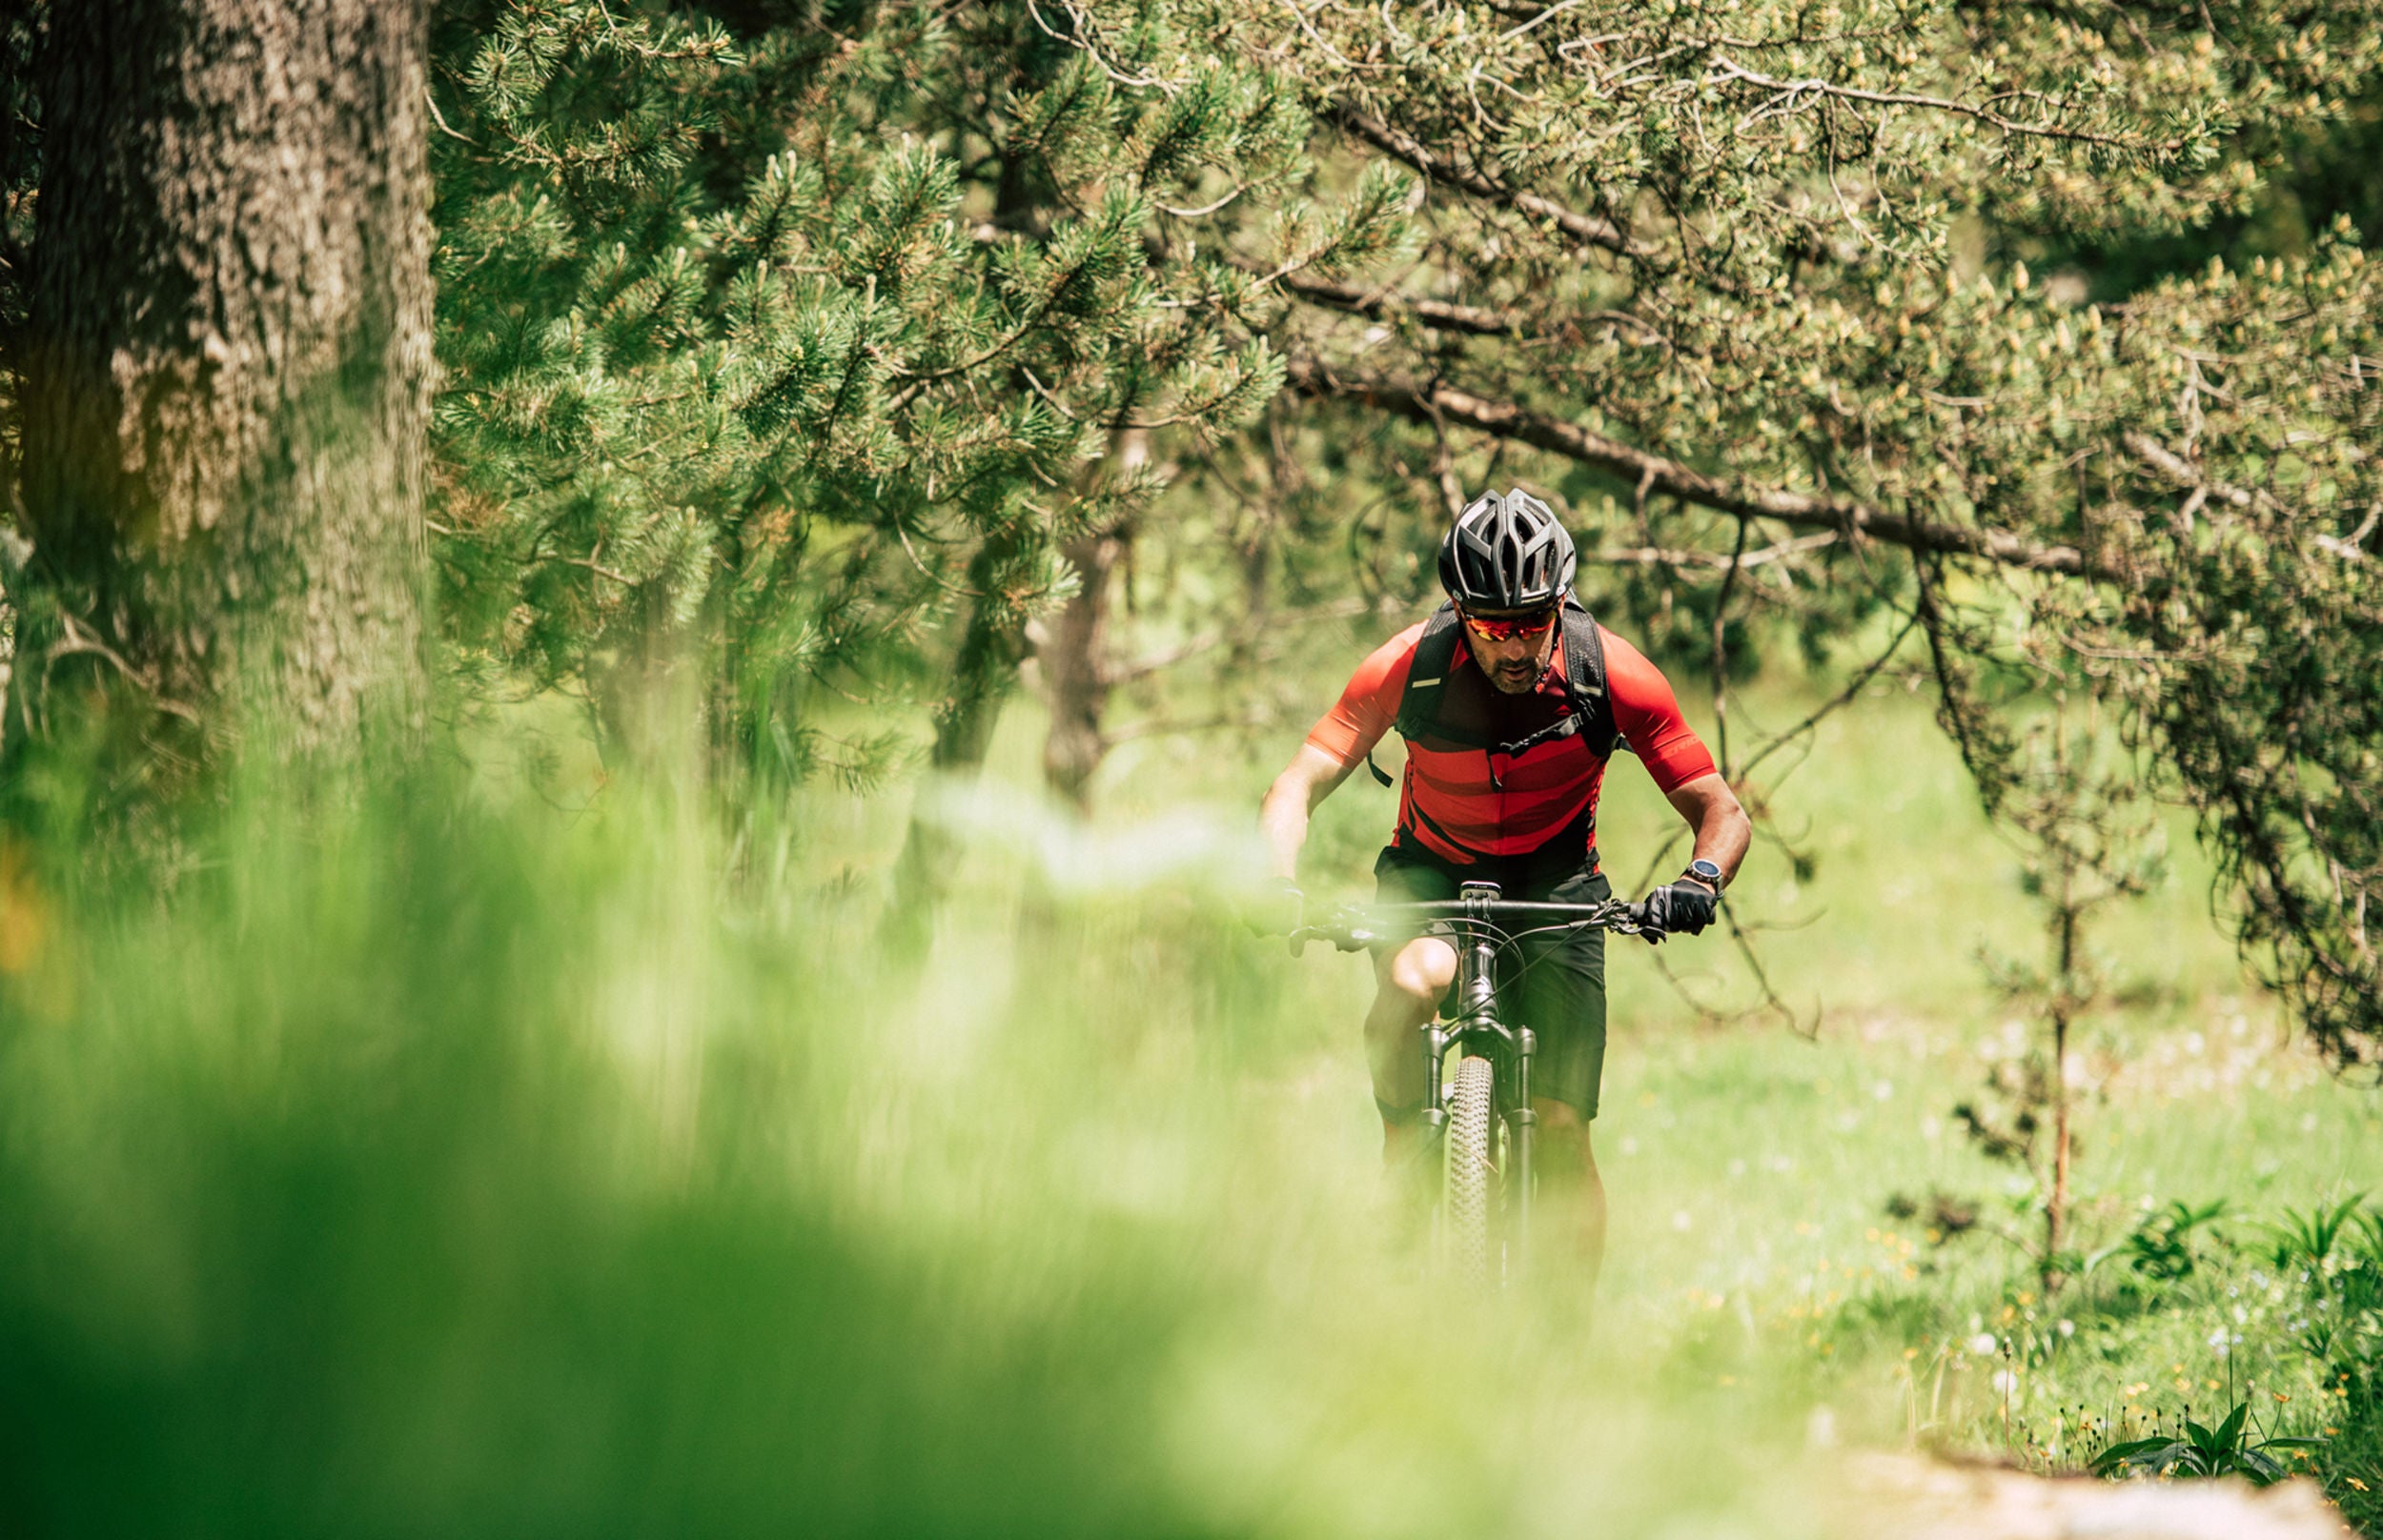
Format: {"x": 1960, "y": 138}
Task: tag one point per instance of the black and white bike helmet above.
{"x": 1506, "y": 554}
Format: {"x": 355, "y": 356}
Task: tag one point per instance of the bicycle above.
{"x": 1480, "y": 1116}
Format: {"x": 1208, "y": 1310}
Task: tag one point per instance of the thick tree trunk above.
{"x": 228, "y": 371}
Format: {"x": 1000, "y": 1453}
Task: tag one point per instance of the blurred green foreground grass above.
{"x": 432, "y": 1162}
{"x": 443, "y": 1169}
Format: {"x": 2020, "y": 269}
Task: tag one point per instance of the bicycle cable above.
{"x": 1511, "y": 942}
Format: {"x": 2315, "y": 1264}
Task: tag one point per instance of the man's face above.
{"x": 1512, "y": 648}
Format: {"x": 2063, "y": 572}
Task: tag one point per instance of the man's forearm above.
{"x": 1722, "y": 838}
{"x": 1282, "y": 820}
{"x": 1723, "y": 829}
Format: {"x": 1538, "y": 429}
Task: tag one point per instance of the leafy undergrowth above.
{"x": 1853, "y": 1242}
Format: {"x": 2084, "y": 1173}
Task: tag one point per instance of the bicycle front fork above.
{"x": 1521, "y": 1124}
{"x": 1435, "y": 1108}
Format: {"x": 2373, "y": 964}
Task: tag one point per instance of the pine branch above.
{"x": 1379, "y": 303}
{"x": 1587, "y": 229}
{"x": 2159, "y": 457}
{"x": 1729, "y": 70}
{"x": 1655, "y": 555}
{"x": 1431, "y": 400}
{"x": 1383, "y": 303}
{"x": 1164, "y": 658}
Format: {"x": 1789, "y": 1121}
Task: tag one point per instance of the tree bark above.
{"x": 228, "y": 370}
{"x": 1074, "y": 658}
{"x": 1074, "y": 662}
{"x": 2064, "y": 1005}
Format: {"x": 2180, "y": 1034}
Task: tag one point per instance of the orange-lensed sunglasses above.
{"x": 1506, "y": 628}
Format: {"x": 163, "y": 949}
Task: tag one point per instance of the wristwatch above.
{"x": 1705, "y": 872}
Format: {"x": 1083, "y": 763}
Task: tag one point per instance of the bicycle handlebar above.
{"x": 1497, "y": 908}
{"x": 1353, "y": 926}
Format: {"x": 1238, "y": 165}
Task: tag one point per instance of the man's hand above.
{"x": 1275, "y": 907}
{"x": 1684, "y": 907}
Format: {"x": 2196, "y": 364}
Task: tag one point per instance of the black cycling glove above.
{"x": 1684, "y": 907}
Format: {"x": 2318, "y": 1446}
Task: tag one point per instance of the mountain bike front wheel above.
{"x": 1471, "y": 1176}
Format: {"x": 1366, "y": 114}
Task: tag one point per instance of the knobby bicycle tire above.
{"x": 1471, "y": 1176}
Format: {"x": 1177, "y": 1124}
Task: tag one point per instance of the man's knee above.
{"x": 1565, "y": 1140}
{"x": 1560, "y": 1115}
{"x": 1421, "y": 970}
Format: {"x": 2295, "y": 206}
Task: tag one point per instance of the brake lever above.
{"x": 1346, "y": 939}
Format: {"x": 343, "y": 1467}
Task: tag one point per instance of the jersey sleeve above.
{"x": 1369, "y": 706}
{"x": 1648, "y": 715}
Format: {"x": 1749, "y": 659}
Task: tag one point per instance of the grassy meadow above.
{"x": 489, "y": 1152}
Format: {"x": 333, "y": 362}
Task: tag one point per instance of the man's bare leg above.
{"x": 1409, "y": 984}
{"x": 1572, "y": 1196}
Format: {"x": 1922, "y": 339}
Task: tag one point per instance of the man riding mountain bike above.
{"x": 1511, "y": 698}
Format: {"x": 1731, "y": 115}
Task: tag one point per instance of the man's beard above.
{"x": 1517, "y": 679}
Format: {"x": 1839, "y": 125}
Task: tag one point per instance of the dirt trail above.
{"x": 1907, "y": 1497}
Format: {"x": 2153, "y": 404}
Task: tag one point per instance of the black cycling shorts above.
{"x": 1553, "y": 985}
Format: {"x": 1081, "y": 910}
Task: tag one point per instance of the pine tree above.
{"x": 777, "y": 348}
{"x": 800, "y": 353}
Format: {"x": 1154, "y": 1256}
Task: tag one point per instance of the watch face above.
{"x": 1705, "y": 869}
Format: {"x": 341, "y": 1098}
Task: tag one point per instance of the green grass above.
{"x": 435, "y": 1161}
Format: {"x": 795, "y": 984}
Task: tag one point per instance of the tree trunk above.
{"x": 986, "y": 667}
{"x": 983, "y": 672}
{"x": 2064, "y": 1005}
{"x": 1074, "y": 658}
{"x": 228, "y": 371}
{"x": 1076, "y": 672}
{"x": 2056, "y": 1206}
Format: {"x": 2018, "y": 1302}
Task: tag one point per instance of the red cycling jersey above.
{"x": 1469, "y": 805}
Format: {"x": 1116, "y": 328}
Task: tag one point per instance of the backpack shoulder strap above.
{"x": 1419, "y": 702}
{"x": 1435, "y": 656}
{"x": 1585, "y": 679}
